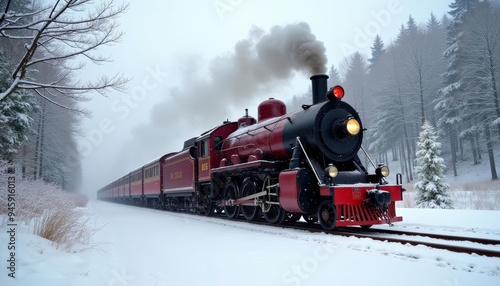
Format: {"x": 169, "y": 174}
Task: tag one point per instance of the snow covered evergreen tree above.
{"x": 377, "y": 50}
{"x": 448, "y": 102}
{"x": 432, "y": 189}
{"x": 15, "y": 119}
{"x": 333, "y": 77}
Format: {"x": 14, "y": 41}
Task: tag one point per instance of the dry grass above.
{"x": 66, "y": 227}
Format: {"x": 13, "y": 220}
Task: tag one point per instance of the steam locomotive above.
{"x": 279, "y": 167}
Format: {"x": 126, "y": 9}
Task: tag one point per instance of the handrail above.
{"x": 309, "y": 161}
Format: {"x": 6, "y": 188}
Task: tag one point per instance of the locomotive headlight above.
{"x": 332, "y": 171}
{"x": 383, "y": 171}
{"x": 352, "y": 126}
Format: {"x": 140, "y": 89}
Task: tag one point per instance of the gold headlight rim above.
{"x": 333, "y": 171}
{"x": 352, "y": 127}
{"x": 384, "y": 171}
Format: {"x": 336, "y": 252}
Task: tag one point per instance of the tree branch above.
{"x": 58, "y": 34}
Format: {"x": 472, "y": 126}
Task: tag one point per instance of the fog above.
{"x": 197, "y": 64}
{"x": 233, "y": 80}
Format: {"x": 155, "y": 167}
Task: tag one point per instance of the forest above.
{"x": 444, "y": 71}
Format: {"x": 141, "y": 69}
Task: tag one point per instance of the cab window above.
{"x": 205, "y": 148}
{"x": 218, "y": 143}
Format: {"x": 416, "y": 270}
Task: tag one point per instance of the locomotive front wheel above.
{"x": 275, "y": 215}
{"x": 231, "y": 193}
{"x": 252, "y": 213}
{"x": 327, "y": 215}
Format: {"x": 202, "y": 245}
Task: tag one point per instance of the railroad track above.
{"x": 480, "y": 240}
{"x": 481, "y": 246}
{"x": 441, "y": 241}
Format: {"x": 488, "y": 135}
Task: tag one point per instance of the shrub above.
{"x": 53, "y": 213}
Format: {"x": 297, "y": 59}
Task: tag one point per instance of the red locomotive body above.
{"x": 281, "y": 167}
{"x": 262, "y": 140}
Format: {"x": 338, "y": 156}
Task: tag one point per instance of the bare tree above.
{"x": 63, "y": 34}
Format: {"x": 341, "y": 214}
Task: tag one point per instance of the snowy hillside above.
{"x": 471, "y": 189}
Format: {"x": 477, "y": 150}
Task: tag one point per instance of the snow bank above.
{"x": 150, "y": 247}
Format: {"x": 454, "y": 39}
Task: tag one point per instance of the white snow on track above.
{"x": 137, "y": 246}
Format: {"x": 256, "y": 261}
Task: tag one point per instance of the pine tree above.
{"x": 433, "y": 23}
{"x": 481, "y": 60}
{"x": 448, "y": 102}
{"x": 15, "y": 119}
{"x": 355, "y": 80}
{"x": 432, "y": 189}
{"x": 333, "y": 77}
{"x": 411, "y": 26}
{"x": 377, "y": 50}
{"x": 403, "y": 32}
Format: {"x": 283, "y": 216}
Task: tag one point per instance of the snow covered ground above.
{"x": 136, "y": 246}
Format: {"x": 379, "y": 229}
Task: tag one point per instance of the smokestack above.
{"x": 319, "y": 88}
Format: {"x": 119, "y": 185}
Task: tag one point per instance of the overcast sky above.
{"x": 169, "y": 43}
